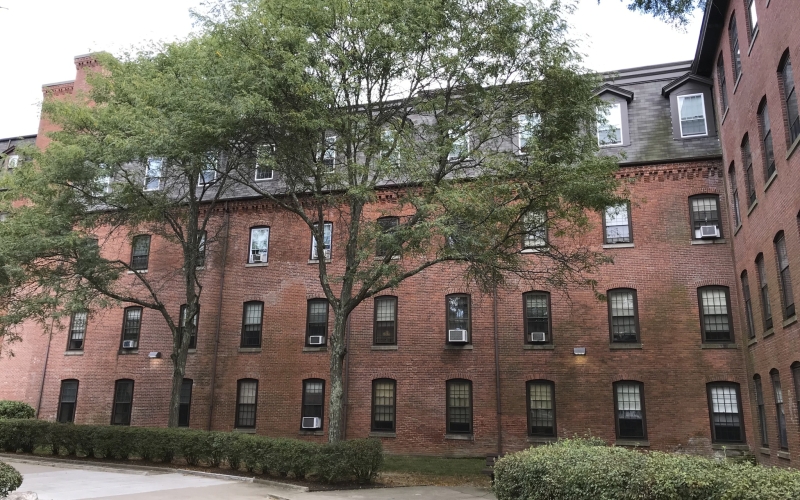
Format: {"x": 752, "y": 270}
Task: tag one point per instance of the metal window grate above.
{"x": 77, "y": 331}
{"x": 542, "y": 417}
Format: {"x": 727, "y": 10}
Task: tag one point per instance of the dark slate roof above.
{"x": 8, "y": 144}
{"x": 674, "y": 84}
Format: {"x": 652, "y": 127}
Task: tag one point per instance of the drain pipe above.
{"x": 346, "y": 375}
{"x": 44, "y": 369}
{"x": 219, "y": 316}
{"x": 497, "y": 376}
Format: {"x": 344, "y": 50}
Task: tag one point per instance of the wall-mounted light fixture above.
{"x": 154, "y": 354}
{"x": 579, "y": 351}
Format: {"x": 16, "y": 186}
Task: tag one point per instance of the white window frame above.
{"x": 211, "y": 166}
{"x": 327, "y": 227}
{"x": 608, "y": 124}
{"x": 13, "y": 162}
{"x": 535, "y": 240}
{"x": 705, "y": 116}
{"x": 462, "y": 142}
{"x": 329, "y": 152}
{"x": 526, "y": 123}
{"x": 753, "y": 17}
{"x": 265, "y": 252}
{"x": 271, "y": 171}
{"x": 147, "y": 172}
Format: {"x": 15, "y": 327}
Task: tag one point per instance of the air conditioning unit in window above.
{"x": 258, "y": 257}
{"x": 709, "y": 232}
{"x": 316, "y": 340}
{"x": 457, "y": 335}
{"x": 311, "y": 423}
{"x": 327, "y": 253}
{"x": 538, "y": 336}
{"x": 129, "y": 344}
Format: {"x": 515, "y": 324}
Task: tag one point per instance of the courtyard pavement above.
{"x": 58, "y": 481}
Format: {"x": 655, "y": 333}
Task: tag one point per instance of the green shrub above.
{"x": 575, "y": 469}
{"x": 10, "y": 479}
{"x": 16, "y": 409}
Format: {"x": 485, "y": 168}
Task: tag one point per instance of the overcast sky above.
{"x": 39, "y": 39}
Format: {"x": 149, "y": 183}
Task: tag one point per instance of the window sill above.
{"x": 784, "y": 455}
{"x": 715, "y": 241}
{"x": 625, "y": 345}
{"x": 533, "y": 250}
{"x": 538, "y": 347}
{"x": 617, "y": 245}
{"x": 724, "y": 115}
{"x": 752, "y": 207}
{"x": 736, "y": 85}
{"x": 792, "y": 148}
{"x": 770, "y": 180}
{"x": 466, "y": 347}
{"x": 394, "y": 257}
{"x": 383, "y": 348}
{"x": 316, "y": 261}
{"x": 245, "y": 431}
{"x": 790, "y": 321}
{"x": 127, "y": 352}
{"x": 460, "y": 437}
{"x": 632, "y": 442}
{"x": 73, "y": 353}
{"x": 382, "y": 434}
{"x": 769, "y": 333}
{"x": 765, "y": 451}
{"x": 736, "y": 231}
{"x": 141, "y": 271}
{"x": 730, "y": 446}
{"x": 542, "y": 439}
{"x": 249, "y": 349}
{"x": 257, "y": 264}
{"x": 752, "y": 341}
{"x": 753, "y": 41}
{"x": 321, "y": 348}
{"x": 718, "y": 345}
{"x": 191, "y": 351}
{"x": 317, "y": 432}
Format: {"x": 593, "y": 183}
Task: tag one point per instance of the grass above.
{"x": 400, "y": 470}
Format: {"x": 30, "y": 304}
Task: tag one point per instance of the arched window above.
{"x": 779, "y": 413}
{"x": 541, "y": 408}
{"x": 762, "y": 415}
{"x": 716, "y": 321}
{"x": 629, "y": 410}
{"x": 67, "y": 401}
{"x": 725, "y": 407}
{"x": 784, "y": 276}
{"x": 384, "y": 397}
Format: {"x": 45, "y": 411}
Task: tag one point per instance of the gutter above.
{"x": 219, "y": 316}
{"x": 497, "y": 375}
{"x": 44, "y": 369}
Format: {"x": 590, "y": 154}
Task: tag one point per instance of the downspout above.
{"x": 346, "y": 375}
{"x": 44, "y": 369}
{"x": 497, "y": 376}
{"x": 219, "y": 316}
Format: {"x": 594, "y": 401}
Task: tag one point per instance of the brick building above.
{"x": 659, "y": 365}
{"x": 747, "y": 47}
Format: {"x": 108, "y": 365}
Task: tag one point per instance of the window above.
{"x": 327, "y": 234}
{"x": 67, "y": 399}
{"x": 766, "y": 310}
{"x": 790, "y": 99}
{"x": 726, "y": 413}
{"x": 766, "y": 138}
{"x": 459, "y": 406}
{"x": 152, "y": 174}
{"x": 251, "y": 324}
{"x": 752, "y": 18}
{"x": 123, "y": 402}
{"x": 182, "y": 325}
{"x": 609, "y": 128}
{"x": 748, "y": 306}
{"x": 537, "y": 317}
{"x": 201, "y": 250}
{"x": 535, "y": 230}
{"x": 460, "y": 143}
{"x": 317, "y": 322}
{"x": 104, "y": 183}
{"x": 762, "y": 415}
{"x": 796, "y": 377}
{"x": 390, "y": 146}
{"x": 329, "y": 155}
{"x": 140, "y": 255}
{"x": 131, "y": 326}
{"x": 185, "y": 402}
{"x": 209, "y": 173}
{"x": 313, "y": 401}
{"x": 246, "y": 399}
{"x": 692, "y": 112}
{"x": 736, "y": 55}
{"x": 13, "y": 161}
{"x": 784, "y": 277}
{"x": 383, "y": 405}
{"x": 629, "y": 404}
{"x": 617, "y": 225}
{"x": 77, "y": 331}
{"x": 704, "y": 212}
{"x": 259, "y": 245}
{"x": 385, "y": 327}
{"x": 623, "y": 317}
{"x": 781, "y": 417}
{"x": 541, "y": 408}
{"x": 723, "y": 88}
{"x": 263, "y": 168}
{"x": 737, "y": 216}
{"x": 386, "y": 225}
{"x": 747, "y": 161}
{"x": 716, "y": 321}
{"x": 458, "y": 314}
{"x": 527, "y": 124}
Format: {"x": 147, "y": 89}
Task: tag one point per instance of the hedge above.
{"x": 16, "y": 409}
{"x": 354, "y": 460}
{"x": 10, "y": 479}
{"x": 577, "y": 469}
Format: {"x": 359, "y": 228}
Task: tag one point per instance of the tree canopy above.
{"x": 673, "y": 11}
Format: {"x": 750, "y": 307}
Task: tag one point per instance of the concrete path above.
{"x": 53, "y": 481}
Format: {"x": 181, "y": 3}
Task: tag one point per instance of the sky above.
{"x": 40, "y": 38}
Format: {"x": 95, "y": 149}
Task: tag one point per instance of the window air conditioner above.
{"x": 538, "y": 336}
{"x": 129, "y": 344}
{"x": 316, "y": 339}
{"x": 457, "y": 335}
{"x": 709, "y": 232}
{"x": 311, "y": 423}
{"x": 256, "y": 257}
{"x": 327, "y": 253}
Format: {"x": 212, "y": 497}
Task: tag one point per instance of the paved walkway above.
{"x": 53, "y": 481}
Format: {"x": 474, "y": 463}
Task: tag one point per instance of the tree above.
{"x": 75, "y": 208}
{"x": 672, "y": 11}
{"x": 352, "y": 100}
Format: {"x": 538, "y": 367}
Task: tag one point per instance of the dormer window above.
{"x": 13, "y": 161}
{"x": 690, "y": 105}
{"x": 609, "y": 130}
{"x": 692, "y": 112}
{"x": 526, "y": 124}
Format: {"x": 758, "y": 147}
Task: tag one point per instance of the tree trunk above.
{"x": 178, "y": 358}
{"x": 337, "y": 402}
